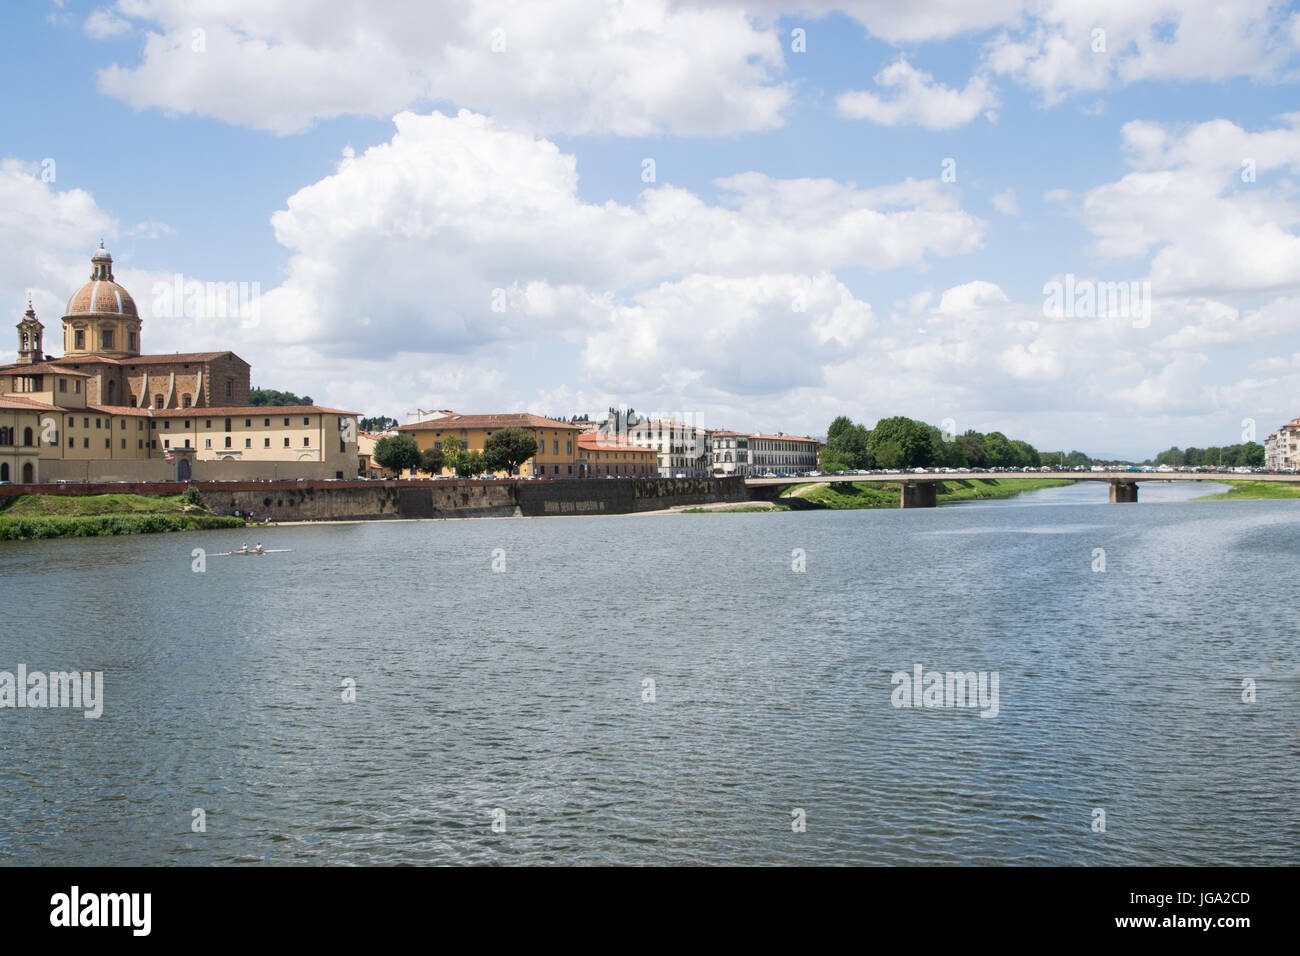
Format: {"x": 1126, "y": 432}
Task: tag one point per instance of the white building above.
{"x": 1282, "y": 448}
{"x": 684, "y": 450}
{"x": 736, "y": 453}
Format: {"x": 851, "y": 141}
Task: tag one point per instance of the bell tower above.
{"x": 30, "y": 331}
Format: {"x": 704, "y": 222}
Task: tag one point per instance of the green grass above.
{"x": 40, "y": 506}
{"x": 1243, "y": 490}
{"x": 88, "y": 516}
{"x": 862, "y": 494}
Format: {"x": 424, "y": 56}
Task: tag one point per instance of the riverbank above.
{"x": 843, "y": 495}
{"x": 1253, "y": 490}
{"x": 33, "y": 516}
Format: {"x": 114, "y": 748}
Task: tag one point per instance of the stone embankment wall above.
{"x": 344, "y": 500}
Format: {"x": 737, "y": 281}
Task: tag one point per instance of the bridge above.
{"x": 918, "y": 490}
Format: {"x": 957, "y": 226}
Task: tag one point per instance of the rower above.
{"x": 259, "y": 547}
{"x": 244, "y": 546}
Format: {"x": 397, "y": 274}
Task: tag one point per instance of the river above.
{"x": 670, "y": 689}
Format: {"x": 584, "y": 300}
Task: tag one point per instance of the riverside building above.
{"x": 106, "y": 411}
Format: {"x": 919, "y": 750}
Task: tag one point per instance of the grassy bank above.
{"x": 861, "y": 494}
{"x": 1244, "y": 490}
{"x": 88, "y": 516}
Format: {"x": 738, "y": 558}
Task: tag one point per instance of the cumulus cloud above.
{"x": 563, "y": 65}
{"x": 1005, "y": 203}
{"x": 916, "y": 99}
{"x": 1201, "y": 202}
{"x": 461, "y": 231}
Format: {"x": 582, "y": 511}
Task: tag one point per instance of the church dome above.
{"x": 101, "y": 295}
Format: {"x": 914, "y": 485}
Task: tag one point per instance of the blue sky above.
{"x": 222, "y": 160}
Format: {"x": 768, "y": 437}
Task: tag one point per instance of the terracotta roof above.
{"x": 40, "y": 368}
{"x": 146, "y": 359}
{"x": 248, "y": 411}
{"x": 594, "y": 441}
{"x": 21, "y": 404}
{"x": 456, "y": 422}
{"x": 101, "y": 297}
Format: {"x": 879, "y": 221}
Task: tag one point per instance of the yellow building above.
{"x": 608, "y": 455}
{"x": 20, "y": 435}
{"x": 557, "y": 442}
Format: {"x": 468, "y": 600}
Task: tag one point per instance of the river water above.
{"x": 508, "y": 716}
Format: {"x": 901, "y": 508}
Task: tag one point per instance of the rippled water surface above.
{"x": 522, "y": 690}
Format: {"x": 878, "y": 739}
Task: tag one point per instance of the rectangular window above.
{"x": 108, "y": 444}
{"x": 266, "y": 443}
{"x": 248, "y": 443}
{"x": 248, "y": 423}
{"x": 76, "y": 386}
{"x": 306, "y": 420}
{"x": 266, "y": 422}
{"x": 97, "y": 423}
{"x": 139, "y": 443}
{"x": 286, "y": 423}
{"x": 187, "y": 423}
{"x": 85, "y": 423}
{"x": 207, "y": 423}
{"x": 286, "y": 443}
{"x": 167, "y": 424}
{"x": 187, "y": 443}
{"x": 167, "y": 443}
{"x": 230, "y": 388}
{"x": 71, "y": 442}
{"x": 556, "y": 449}
{"x": 78, "y": 339}
{"x": 106, "y": 337}
{"x": 227, "y": 424}
{"x": 342, "y": 446}
{"x": 227, "y": 441}
{"x": 63, "y": 385}
{"x": 85, "y": 443}
{"x": 306, "y": 442}
{"x": 570, "y": 446}
{"x": 123, "y": 421}
{"x": 207, "y": 443}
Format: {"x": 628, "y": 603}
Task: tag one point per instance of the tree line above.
{"x": 1250, "y": 454}
{"x": 901, "y": 442}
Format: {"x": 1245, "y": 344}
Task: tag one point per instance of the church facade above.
{"x": 154, "y": 416}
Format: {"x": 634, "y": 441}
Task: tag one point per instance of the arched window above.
{"x": 112, "y": 392}
{"x": 27, "y": 436}
{"x": 4, "y": 471}
{"x": 157, "y": 401}
{"x": 185, "y": 401}
{"x": 29, "y": 474}
{"x": 6, "y": 435}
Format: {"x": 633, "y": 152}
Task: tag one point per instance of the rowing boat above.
{"x": 232, "y": 554}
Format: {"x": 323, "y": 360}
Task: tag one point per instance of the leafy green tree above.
{"x": 451, "y": 447}
{"x": 911, "y": 437}
{"x": 467, "y": 463}
{"x": 269, "y": 396}
{"x": 508, "y": 448}
{"x": 889, "y": 454}
{"x": 432, "y": 461}
{"x": 378, "y": 423}
{"x": 494, "y": 461}
{"x": 397, "y": 453}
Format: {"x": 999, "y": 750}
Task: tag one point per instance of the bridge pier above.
{"x": 918, "y": 494}
{"x": 1123, "y": 491}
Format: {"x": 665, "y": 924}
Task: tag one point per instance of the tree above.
{"x": 889, "y": 454}
{"x": 467, "y": 463}
{"x": 397, "y": 453}
{"x": 269, "y": 396}
{"x": 508, "y": 448}
{"x": 451, "y": 447}
{"x": 911, "y": 437}
{"x": 379, "y": 423}
{"x": 432, "y": 461}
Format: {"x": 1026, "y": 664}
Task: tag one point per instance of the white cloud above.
{"x": 1005, "y": 203}
{"x": 918, "y": 100}
{"x": 104, "y": 23}
{"x": 563, "y": 65}
{"x": 1186, "y": 204}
